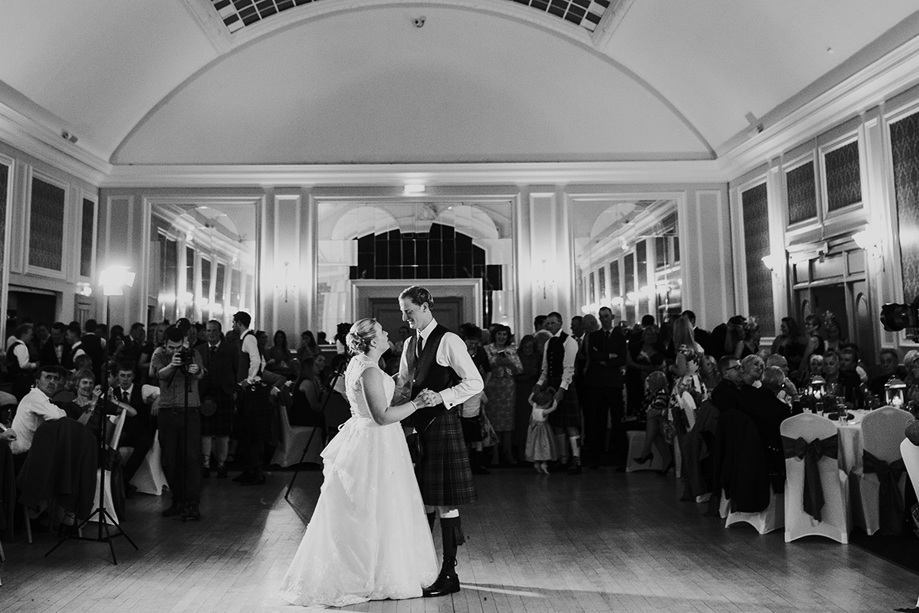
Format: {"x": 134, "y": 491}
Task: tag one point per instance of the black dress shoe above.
{"x": 130, "y": 490}
{"x": 191, "y": 513}
{"x": 221, "y": 472}
{"x": 447, "y": 583}
{"x": 205, "y": 472}
{"x": 243, "y": 476}
{"x": 175, "y": 509}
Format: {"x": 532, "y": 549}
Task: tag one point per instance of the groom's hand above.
{"x": 433, "y": 398}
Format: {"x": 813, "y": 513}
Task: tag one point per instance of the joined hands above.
{"x": 427, "y": 398}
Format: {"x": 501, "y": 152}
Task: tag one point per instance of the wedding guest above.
{"x": 790, "y": 343}
{"x": 888, "y": 368}
{"x": 35, "y": 408}
{"x": 558, "y": 373}
{"x": 19, "y": 365}
{"x": 501, "y": 389}
{"x": 531, "y": 363}
{"x": 218, "y": 390}
{"x": 540, "y": 447}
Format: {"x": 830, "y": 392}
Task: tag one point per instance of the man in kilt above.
{"x": 557, "y": 373}
{"x": 253, "y": 426}
{"x": 435, "y": 363}
{"x": 218, "y": 391}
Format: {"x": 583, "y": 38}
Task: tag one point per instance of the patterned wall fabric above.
{"x": 4, "y": 185}
{"x": 843, "y": 179}
{"x": 220, "y": 282}
{"x": 615, "y": 288}
{"x": 170, "y": 265}
{"x": 592, "y": 295}
{"x": 629, "y": 279}
{"x": 205, "y": 277}
{"x": 46, "y": 225}
{"x": 756, "y": 237}
{"x": 802, "y": 193}
{"x": 641, "y": 253}
{"x": 189, "y": 270}
{"x": 236, "y": 280}
{"x": 86, "y": 238}
{"x": 601, "y": 275}
{"x": 904, "y": 145}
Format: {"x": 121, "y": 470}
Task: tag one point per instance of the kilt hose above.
{"x": 444, "y": 474}
{"x": 221, "y": 422}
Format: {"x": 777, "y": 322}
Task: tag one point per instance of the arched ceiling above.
{"x": 354, "y": 81}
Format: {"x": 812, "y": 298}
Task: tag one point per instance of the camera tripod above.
{"x": 100, "y": 514}
{"x": 325, "y": 401}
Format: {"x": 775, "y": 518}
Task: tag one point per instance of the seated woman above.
{"x": 278, "y": 356}
{"x": 306, "y": 409}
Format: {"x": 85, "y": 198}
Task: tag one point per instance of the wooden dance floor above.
{"x": 601, "y": 541}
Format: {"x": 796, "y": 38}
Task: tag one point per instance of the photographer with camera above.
{"x": 178, "y": 369}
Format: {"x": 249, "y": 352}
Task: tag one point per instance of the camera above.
{"x": 896, "y": 317}
{"x": 186, "y": 355}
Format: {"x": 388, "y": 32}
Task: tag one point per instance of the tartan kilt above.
{"x": 221, "y": 422}
{"x": 256, "y": 421}
{"x": 568, "y": 414}
{"x": 444, "y": 474}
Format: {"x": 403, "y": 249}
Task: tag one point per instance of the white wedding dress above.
{"x": 368, "y": 538}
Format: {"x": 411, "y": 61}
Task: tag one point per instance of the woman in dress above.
{"x": 749, "y": 345}
{"x": 501, "y": 389}
{"x": 525, "y": 381}
{"x": 306, "y": 408}
{"x": 368, "y": 538}
{"x": 790, "y": 343}
{"x": 815, "y": 344}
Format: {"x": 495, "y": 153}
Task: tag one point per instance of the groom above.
{"x": 436, "y": 360}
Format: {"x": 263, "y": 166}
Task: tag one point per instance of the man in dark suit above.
{"x": 139, "y": 428}
{"x": 55, "y": 350}
{"x": 221, "y": 361}
{"x": 92, "y": 346}
{"x": 606, "y": 352}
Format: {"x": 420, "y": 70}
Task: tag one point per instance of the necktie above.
{"x": 124, "y": 395}
{"x": 420, "y": 345}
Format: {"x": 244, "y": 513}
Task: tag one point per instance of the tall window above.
{"x": 86, "y": 237}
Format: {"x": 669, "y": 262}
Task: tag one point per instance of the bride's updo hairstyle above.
{"x": 360, "y": 335}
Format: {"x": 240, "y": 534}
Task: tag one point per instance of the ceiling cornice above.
{"x": 866, "y": 89}
{"x": 49, "y": 146}
{"x": 518, "y": 173}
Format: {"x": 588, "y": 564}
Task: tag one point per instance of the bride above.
{"x": 368, "y": 538}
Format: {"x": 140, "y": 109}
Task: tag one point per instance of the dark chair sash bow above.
{"x": 889, "y": 499}
{"x": 811, "y": 453}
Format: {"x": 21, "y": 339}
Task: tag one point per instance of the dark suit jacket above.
{"x": 601, "y": 369}
{"x": 47, "y": 355}
{"x": 220, "y": 369}
{"x": 92, "y": 345}
{"x": 143, "y": 421}
{"x": 703, "y": 337}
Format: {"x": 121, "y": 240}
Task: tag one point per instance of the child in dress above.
{"x": 540, "y": 447}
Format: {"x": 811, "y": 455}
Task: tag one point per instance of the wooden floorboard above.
{"x": 600, "y": 541}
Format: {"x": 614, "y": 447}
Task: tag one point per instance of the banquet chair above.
{"x": 294, "y": 439}
{"x": 910, "y": 454}
{"x": 150, "y": 478}
{"x": 768, "y": 520}
{"x": 835, "y": 521}
{"x": 104, "y": 475}
{"x": 882, "y": 432}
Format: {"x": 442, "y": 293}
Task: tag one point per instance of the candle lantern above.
{"x": 817, "y": 391}
{"x": 895, "y": 393}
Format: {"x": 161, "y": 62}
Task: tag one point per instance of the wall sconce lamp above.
{"x": 774, "y": 263}
{"x": 544, "y": 279}
{"x": 288, "y": 287}
{"x": 871, "y": 242}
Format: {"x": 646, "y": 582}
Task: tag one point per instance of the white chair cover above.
{"x": 768, "y": 520}
{"x": 105, "y": 481}
{"x": 150, "y": 478}
{"x": 910, "y": 454}
{"x": 882, "y": 432}
{"x": 836, "y": 521}
{"x": 294, "y": 439}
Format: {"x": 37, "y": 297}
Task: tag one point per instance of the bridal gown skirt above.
{"x": 368, "y": 538}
